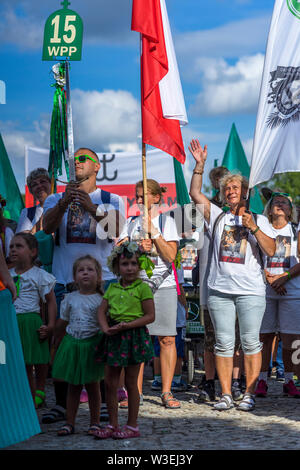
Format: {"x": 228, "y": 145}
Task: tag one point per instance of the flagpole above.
{"x": 144, "y": 164}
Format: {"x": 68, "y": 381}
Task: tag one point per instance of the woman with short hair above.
{"x": 235, "y": 281}
{"x": 39, "y": 185}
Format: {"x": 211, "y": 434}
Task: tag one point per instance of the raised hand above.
{"x": 199, "y": 153}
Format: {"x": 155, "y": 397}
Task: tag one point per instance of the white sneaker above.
{"x": 247, "y": 403}
{"x": 225, "y": 403}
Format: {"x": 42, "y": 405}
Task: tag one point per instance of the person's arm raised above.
{"x": 200, "y": 156}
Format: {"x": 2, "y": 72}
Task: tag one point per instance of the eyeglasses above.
{"x": 83, "y": 158}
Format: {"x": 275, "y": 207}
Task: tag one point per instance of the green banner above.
{"x": 63, "y": 35}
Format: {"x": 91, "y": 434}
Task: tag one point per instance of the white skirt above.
{"x": 165, "y": 301}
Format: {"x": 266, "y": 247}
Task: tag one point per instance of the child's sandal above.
{"x": 93, "y": 429}
{"x": 66, "y": 430}
{"x": 105, "y": 433}
{"x": 126, "y": 433}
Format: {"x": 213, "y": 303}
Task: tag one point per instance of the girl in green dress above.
{"x": 126, "y": 309}
{"x": 78, "y": 326}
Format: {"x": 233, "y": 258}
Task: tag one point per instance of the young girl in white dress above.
{"x": 78, "y": 326}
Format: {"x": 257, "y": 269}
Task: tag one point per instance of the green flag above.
{"x": 236, "y": 160}
{"x": 9, "y": 188}
{"x": 181, "y": 189}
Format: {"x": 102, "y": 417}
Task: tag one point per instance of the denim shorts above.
{"x": 179, "y": 342}
{"x": 224, "y": 309}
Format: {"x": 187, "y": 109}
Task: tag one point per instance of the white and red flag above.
{"x": 163, "y": 108}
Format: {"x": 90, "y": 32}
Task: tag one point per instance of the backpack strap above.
{"x": 295, "y": 230}
{"x": 105, "y": 197}
{"x": 31, "y": 213}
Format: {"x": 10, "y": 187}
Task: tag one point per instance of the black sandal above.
{"x": 57, "y": 413}
{"x": 66, "y": 430}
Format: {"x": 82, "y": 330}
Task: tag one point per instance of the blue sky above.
{"x": 220, "y": 46}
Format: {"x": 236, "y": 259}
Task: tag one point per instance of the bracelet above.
{"x": 288, "y": 275}
{"x": 254, "y": 231}
{"x": 198, "y": 172}
{"x": 157, "y": 235}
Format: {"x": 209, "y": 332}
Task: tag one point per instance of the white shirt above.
{"x": 24, "y": 223}
{"x": 134, "y": 230}
{"x": 81, "y": 235}
{"x": 285, "y": 258}
{"x": 235, "y": 266}
{"x": 34, "y": 285}
{"x": 80, "y": 311}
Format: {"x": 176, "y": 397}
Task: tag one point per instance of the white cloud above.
{"x": 106, "y": 120}
{"x": 22, "y": 21}
{"x": 231, "y": 40}
{"x": 228, "y": 88}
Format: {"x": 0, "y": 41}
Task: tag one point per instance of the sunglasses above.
{"x": 83, "y": 158}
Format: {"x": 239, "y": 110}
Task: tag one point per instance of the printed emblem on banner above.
{"x": 285, "y": 96}
{"x": 294, "y": 6}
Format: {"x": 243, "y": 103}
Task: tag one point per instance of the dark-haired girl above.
{"x": 33, "y": 286}
{"x": 126, "y": 309}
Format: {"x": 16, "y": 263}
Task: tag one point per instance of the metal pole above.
{"x": 72, "y": 175}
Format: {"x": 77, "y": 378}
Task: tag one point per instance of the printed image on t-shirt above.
{"x": 81, "y": 227}
{"x": 282, "y": 256}
{"x": 233, "y": 244}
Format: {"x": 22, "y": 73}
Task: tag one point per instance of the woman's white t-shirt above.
{"x": 285, "y": 257}
{"x": 80, "y": 311}
{"x": 134, "y": 230}
{"x": 236, "y": 267}
{"x": 34, "y": 285}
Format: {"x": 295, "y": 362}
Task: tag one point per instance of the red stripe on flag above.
{"x": 159, "y": 132}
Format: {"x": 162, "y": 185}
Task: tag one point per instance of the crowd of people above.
{"x": 92, "y": 307}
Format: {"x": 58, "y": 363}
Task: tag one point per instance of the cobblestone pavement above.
{"x": 274, "y": 424}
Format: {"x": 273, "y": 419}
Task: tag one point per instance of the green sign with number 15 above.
{"x": 63, "y": 35}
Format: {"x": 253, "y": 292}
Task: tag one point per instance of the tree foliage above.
{"x": 287, "y": 183}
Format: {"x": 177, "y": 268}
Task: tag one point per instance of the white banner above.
{"x": 276, "y": 146}
{"x": 119, "y": 168}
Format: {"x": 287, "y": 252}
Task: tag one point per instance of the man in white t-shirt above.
{"x": 85, "y": 219}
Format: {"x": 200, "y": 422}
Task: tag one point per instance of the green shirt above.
{"x": 125, "y": 303}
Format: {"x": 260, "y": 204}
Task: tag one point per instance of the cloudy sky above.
{"x": 220, "y": 46}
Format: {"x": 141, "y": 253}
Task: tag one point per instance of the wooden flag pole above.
{"x": 145, "y": 187}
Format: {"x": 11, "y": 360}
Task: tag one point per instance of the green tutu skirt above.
{"x": 74, "y": 361}
{"x": 34, "y": 350}
{"x": 127, "y": 348}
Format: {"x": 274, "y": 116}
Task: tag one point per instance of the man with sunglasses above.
{"x": 80, "y": 218}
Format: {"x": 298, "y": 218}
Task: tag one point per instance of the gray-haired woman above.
{"x": 235, "y": 282}
{"x": 39, "y": 185}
